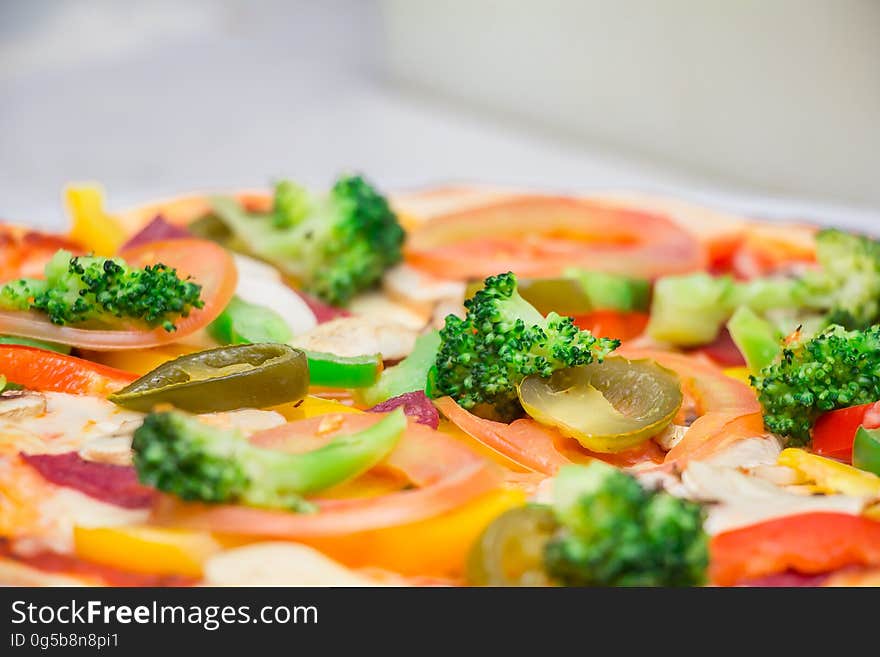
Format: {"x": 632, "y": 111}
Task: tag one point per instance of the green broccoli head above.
{"x": 502, "y": 340}
{"x": 336, "y": 245}
{"x": 613, "y": 532}
{"x": 847, "y": 284}
{"x": 102, "y": 291}
{"x": 178, "y": 454}
{"x": 834, "y": 369}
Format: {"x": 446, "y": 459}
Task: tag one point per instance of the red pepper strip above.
{"x": 613, "y": 323}
{"x": 835, "y": 431}
{"x": 808, "y": 543}
{"x": 38, "y": 369}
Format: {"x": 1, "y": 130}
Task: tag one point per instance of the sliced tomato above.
{"x": 808, "y": 543}
{"x": 613, "y": 323}
{"x": 526, "y": 442}
{"x": 541, "y": 236}
{"x": 25, "y": 252}
{"x": 208, "y": 264}
{"x": 38, "y": 369}
{"x": 444, "y": 473}
{"x": 834, "y": 432}
{"x": 719, "y": 401}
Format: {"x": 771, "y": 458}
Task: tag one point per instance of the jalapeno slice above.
{"x": 343, "y": 371}
{"x": 510, "y": 551}
{"x": 240, "y": 376}
{"x": 607, "y": 407}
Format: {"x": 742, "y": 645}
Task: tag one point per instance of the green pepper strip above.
{"x": 343, "y": 371}
{"x": 409, "y": 375}
{"x": 241, "y": 376}
{"x": 245, "y": 323}
{"x": 342, "y": 459}
{"x": 866, "y": 450}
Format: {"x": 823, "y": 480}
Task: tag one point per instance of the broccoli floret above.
{"x": 689, "y": 310}
{"x": 336, "y": 245}
{"x": 847, "y": 286}
{"x": 100, "y": 291}
{"x": 178, "y": 454}
{"x": 613, "y": 532}
{"x": 834, "y": 369}
{"x": 502, "y": 340}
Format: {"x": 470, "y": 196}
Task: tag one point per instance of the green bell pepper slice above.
{"x": 242, "y": 322}
{"x": 757, "y": 339}
{"x": 866, "y": 450}
{"x": 340, "y": 460}
{"x": 335, "y": 371}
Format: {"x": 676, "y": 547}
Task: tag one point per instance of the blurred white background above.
{"x": 162, "y": 97}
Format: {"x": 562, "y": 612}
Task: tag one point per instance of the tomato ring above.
{"x": 209, "y": 265}
{"x": 543, "y": 235}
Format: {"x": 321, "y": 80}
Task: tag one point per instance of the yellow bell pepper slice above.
{"x": 313, "y": 406}
{"x": 436, "y": 547}
{"x": 91, "y": 225}
{"x": 148, "y": 550}
{"x": 738, "y": 373}
{"x": 140, "y": 361}
{"x": 829, "y": 474}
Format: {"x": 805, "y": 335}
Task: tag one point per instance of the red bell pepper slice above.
{"x": 807, "y": 543}
{"x": 835, "y": 431}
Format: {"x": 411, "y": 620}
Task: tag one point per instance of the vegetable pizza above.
{"x": 458, "y": 386}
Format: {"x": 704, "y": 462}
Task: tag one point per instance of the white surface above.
{"x": 782, "y": 94}
{"x": 255, "y": 91}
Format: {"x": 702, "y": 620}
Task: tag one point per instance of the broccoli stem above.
{"x": 178, "y": 454}
{"x": 277, "y": 476}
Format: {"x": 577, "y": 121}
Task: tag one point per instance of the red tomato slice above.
{"x": 37, "y": 369}
{"x": 613, "y": 323}
{"x": 543, "y": 235}
{"x": 25, "y": 252}
{"x": 446, "y": 475}
{"x": 807, "y": 543}
{"x": 208, "y": 264}
{"x": 834, "y": 432}
{"x": 526, "y": 442}
{"x": 720, "y": 400}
